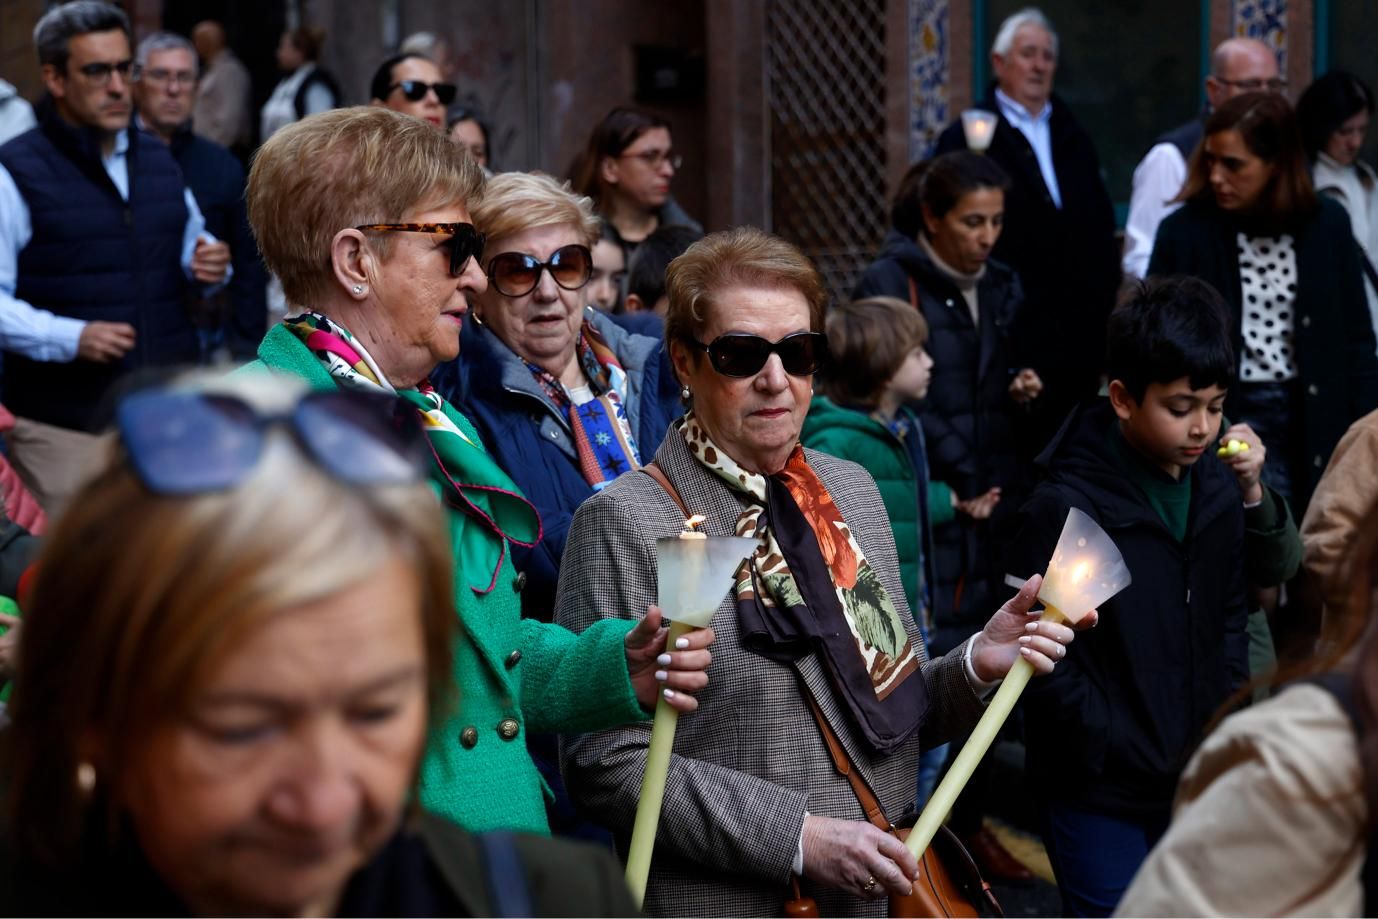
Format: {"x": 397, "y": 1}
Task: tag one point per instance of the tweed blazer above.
{"x": 750, "y": 762}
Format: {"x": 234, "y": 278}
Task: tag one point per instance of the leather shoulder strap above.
{"x": 914, "y": 294}
{"x": 653, "y": 470}
{"x": 843, "y": 764}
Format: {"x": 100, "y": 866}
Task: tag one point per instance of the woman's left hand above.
{"x": 671, "y": 674}
{"x": 1015, "y": 632}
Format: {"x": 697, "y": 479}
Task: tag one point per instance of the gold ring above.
{"x": 870, "y": 884}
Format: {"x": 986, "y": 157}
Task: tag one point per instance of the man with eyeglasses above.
{"x": 165, "y": 93}
{"x": 1239, "y": 65}
{"x": 98, "y": 240}
{"x": 411, "y": 84}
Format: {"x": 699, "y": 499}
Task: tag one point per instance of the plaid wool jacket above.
{"x": 750, "y": 761}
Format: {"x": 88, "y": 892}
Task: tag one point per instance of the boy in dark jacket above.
{"x": 1109, "y": 732}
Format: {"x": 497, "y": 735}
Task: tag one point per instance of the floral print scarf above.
{"x": 809, "y": 588}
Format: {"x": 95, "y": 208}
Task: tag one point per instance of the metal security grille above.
{"x": 826, "y": 78}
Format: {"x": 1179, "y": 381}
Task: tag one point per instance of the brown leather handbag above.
{"x": 949, "y": 883}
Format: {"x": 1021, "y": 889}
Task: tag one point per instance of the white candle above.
{"x": 979, "y": 127}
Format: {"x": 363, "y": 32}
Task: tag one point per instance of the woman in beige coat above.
{"x": 1272, "y": 813}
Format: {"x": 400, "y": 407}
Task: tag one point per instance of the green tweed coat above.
{"x": 513, "y": 675}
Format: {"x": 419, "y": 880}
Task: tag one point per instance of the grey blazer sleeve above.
{"x": 714, "y": 815}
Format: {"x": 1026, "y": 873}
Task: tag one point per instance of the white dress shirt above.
{"x": 1157, "y": 180}
{"x": 1038, "y": 130}
{"x": 38, "y": 333}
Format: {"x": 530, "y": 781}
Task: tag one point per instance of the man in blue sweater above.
{"x": 98, "y": 241}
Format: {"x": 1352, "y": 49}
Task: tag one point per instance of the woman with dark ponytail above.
{"x": 946, "y": 218}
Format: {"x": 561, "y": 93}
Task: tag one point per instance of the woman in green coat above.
{"x": 363, "y": 214}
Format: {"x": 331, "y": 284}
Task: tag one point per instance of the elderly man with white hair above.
{"x": 1239, "y": 65}
{"x": 1059, "y": 223}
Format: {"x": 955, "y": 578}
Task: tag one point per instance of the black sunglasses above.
{"x": 739, "y": 354}
{"x": 516, "y": 274}
{"x": 187, "y": 443}
{"x": 415, "y": 90}
{"x": 465, "y": 242}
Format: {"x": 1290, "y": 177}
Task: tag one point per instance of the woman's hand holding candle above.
{"x": 854, "y": 856}
{"x": 673, "y": 674}
{"x": 1015, "y": 632}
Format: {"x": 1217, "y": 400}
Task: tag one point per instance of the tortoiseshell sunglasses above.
{"x": 465, "y": 242}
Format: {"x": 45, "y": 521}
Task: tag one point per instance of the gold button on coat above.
{"x": 508, "y": 728}
{"x": 468, "y": 737}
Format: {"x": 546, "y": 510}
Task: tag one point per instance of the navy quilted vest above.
{"x": 95, "y": 257}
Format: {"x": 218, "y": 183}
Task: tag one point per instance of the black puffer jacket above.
{"x": 1111, "y": 729}
{"x": 971, "y": 424}
{"x": 1067, "y": 257}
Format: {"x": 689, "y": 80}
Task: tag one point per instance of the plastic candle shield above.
{"x": 979, "y": 127}
{"x": 694, "y": 573}
{"x": 1085, "y": 571}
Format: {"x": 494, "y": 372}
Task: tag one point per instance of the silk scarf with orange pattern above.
{"x": 809, "y": 588}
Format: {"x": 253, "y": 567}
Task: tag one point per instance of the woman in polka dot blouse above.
{"x": 1287, "y": 263}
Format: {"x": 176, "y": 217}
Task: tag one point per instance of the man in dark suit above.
{"x": 1059, "y": 223}
{"x": 165, "y": 74}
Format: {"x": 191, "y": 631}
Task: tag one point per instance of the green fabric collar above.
{"x": 470, "y": 481}
{"x": 1170, "y": 498}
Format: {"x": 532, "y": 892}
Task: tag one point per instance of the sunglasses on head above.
{"x": 415, "y": 90}
{"x": 739, "y": 354}
{"x": 465, "y": 242}
{"x": 187, "y": 443}
{"x": 516, "y": 274}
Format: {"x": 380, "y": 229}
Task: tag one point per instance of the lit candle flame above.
{"x": 693, "y": 522}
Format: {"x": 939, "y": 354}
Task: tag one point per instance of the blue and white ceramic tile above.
{"x": 929, "y": 74}
{"x": 1265, "y": 20}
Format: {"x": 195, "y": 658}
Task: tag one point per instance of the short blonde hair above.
{"x": 119, "y": 632}
{"x": 345, "y": 168}
{"x": 744, "y": 256}
{"x": 514, "y": 202}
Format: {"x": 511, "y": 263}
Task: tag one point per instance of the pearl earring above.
{"x": 685, "y": 394}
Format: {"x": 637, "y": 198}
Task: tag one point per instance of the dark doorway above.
{"x": 252, "y": 27}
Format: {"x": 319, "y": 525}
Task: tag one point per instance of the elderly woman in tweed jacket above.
{"x": 753, "y": 796}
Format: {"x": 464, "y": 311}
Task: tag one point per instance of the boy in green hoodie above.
{"x": 877, "y": 364}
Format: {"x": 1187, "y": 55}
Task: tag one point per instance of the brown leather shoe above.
{"x": 998, "y": 865}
